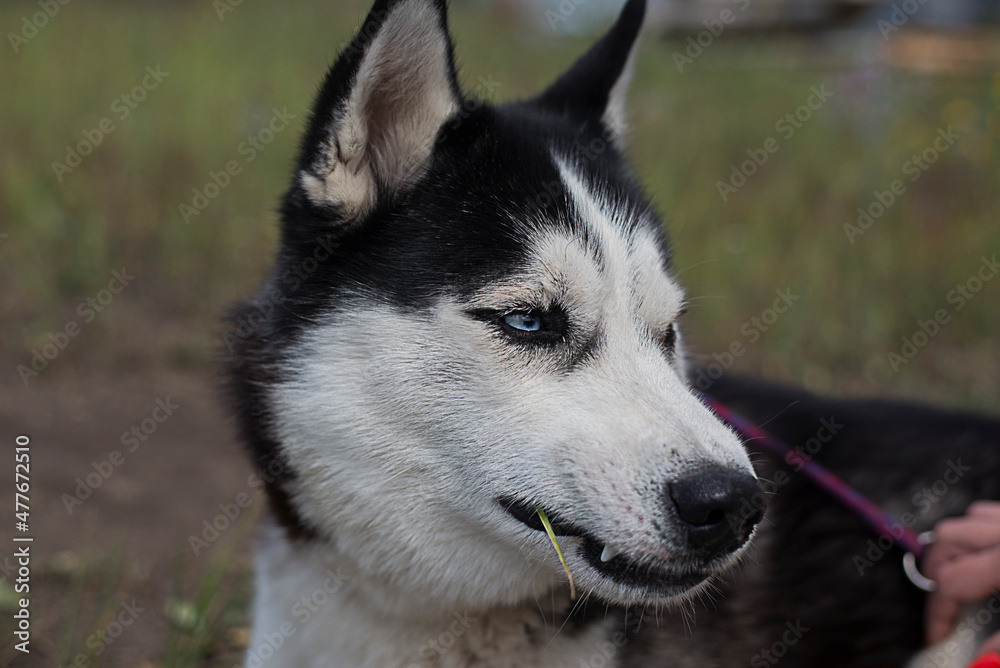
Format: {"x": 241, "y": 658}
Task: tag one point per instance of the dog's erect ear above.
{"x": 378, "y": 113}
{"x": 594, "y": 87}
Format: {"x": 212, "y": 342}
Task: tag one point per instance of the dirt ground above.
{"x": 121, "y": 551}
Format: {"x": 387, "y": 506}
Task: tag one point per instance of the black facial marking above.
{"x": 587, "y": 352}
{"x": 669, "y": 340}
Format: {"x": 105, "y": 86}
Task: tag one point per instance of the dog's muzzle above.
{"x": 715, "y": 508}
{"x": 718, "y": 509}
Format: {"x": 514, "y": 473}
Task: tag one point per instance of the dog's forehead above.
{"x": 510, "y": 195}
{"x": 598, "y": 246}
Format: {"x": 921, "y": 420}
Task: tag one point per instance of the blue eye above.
{"x": 524, "y": 322}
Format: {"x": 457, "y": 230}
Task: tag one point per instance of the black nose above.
{"x": 718, "y": 508}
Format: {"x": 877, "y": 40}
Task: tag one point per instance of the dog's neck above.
{"x": 313, "y": 609}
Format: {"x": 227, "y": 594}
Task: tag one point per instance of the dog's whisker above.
{"x": 696, "y": 264}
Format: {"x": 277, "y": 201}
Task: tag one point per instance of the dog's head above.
{"x": 473, "y": 317}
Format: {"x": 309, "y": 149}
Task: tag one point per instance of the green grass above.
{"x": 555, "y": 544}
{"x": 188, "y": 613}
{"x": 200, "y": 625}
{"x": 783, "y": 229}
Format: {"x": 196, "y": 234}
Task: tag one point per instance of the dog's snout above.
{"x": 718, "y": 509}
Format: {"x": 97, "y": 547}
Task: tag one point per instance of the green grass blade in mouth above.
{"x": 562, "y": 560}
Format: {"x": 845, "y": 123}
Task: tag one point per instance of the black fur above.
{"x": 491, "y": 186}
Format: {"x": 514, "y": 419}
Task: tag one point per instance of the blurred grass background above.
{"x": 784, "y": 228}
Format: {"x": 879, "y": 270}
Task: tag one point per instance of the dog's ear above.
{"x": 594, "y": 87}
{"x": 375, "y": 121}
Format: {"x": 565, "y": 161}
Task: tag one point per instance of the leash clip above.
{"x": 918, "y": 579}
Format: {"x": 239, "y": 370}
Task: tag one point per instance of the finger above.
{"x": 965, "y": 578}
{"x": 973, "y": 533}
{"x": 937, "y": 555}
{"x": 971, "y": 576}
{"x": 939, "y": 616}
{"x": 958, "y": 536}
{"x": 984, "y": 509}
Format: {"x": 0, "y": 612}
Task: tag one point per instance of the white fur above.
{"x": 330, "y": 620}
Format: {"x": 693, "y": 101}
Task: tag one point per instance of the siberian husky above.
{"x": 471, "y": 322}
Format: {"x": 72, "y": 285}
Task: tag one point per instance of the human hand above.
{"x": 964, "y": 561}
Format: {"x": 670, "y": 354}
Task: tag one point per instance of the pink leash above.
{"x": 882, "y": 522}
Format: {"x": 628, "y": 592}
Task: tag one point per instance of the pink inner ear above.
{"x": 402, "y": 93}
{"x": 388, "y": 106}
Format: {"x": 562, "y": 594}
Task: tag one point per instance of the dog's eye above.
{"x": 534, "y": 326}
{"x": 524, "y": 322}
{"x": 526, "y": 325}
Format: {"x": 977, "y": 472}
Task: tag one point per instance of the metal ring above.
{"x": 910, "y": 565}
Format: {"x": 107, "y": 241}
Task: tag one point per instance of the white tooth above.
{"x": 609, "y": 553}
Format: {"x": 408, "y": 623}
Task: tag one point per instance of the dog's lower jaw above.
{"x": 312, "y": 611}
